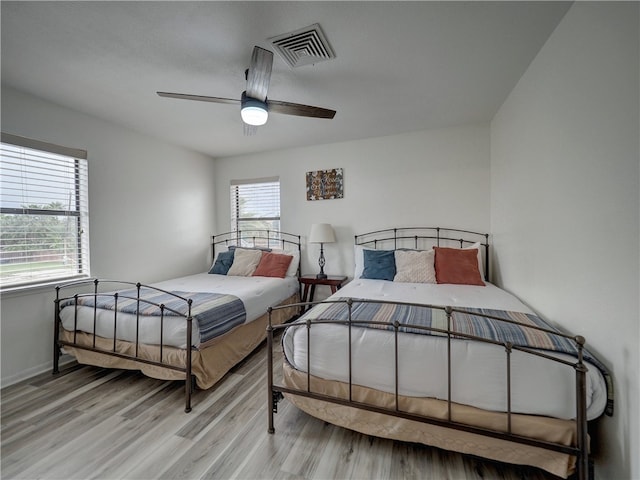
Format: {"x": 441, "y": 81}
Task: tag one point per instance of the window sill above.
{"x": 35, "y": 288}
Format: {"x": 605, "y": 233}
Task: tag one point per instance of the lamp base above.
{"x": 321, "y": 275}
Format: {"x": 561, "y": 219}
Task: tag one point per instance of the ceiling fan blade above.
{"x": 288, "y": 108}
{"x": 199, "y": 98}
{"x": 259, "y": 73}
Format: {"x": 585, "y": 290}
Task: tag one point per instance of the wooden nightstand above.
{"x": 334, "y": 282}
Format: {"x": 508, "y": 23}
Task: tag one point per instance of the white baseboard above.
{"x": 33, "y": 371}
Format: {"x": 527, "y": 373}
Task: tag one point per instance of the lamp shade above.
{"x": 322, "y": 233}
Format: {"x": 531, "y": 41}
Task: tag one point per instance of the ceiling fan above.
{"x": 254, "y": 105}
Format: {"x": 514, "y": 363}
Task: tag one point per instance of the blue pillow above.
{"x": 379, "y": 264}
{"x": 223, "y": 263}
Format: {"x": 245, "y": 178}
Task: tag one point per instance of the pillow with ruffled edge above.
{"x": 379, "y": 265}
{"x": 245, "y": 262}
{"x": 457, "y": 266}
{"x": 415, "y": 266}
{"x": 273, "y": 265}
{"x": 223, "y": 263}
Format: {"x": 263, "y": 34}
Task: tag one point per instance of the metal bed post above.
{"x": 115, "y": 321}
{"x": 75, "y": 318}
{"x": 138, "y": 285}
{"x": 396, "y": 326}
{"x": 308, "y": 324}
{"x": 56, "y": 333}
{"x": 95, "y": 311}
{"x": 486, "y": 257}
{"x": 350, "y": 305}
{"x": 508, "y": 346}
{"x": 448, "y": 311}
{"x": 581, "y": 413}
{"x": 187, "y": 380}
{"x": 270, "y": 393}
{"x": 162, "y": 307}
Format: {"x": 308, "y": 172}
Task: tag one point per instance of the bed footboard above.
{"x": 314, "y": 390}
{"x": 92, "y": 290}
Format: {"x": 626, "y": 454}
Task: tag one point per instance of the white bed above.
{"x": 256, "y": 293}
{"x": 420, "y": 347}
{"x": 193, "y": 328}
{"x": 538, "y": 387}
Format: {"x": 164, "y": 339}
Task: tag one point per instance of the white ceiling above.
{"x": 400, "y": 66}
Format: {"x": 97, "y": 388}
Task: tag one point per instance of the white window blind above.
{"x": 44, "y": 228}
{"x": 255, "y": 204}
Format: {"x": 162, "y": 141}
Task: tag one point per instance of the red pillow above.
{"x": 457, "y": 266}
{"x": 273, "y": 265}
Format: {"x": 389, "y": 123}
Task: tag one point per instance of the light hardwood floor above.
{"x": 92, "y": 423}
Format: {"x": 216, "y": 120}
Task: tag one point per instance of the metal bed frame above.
{"x": 397, "y": 239}
{"x": 97, "y": 288}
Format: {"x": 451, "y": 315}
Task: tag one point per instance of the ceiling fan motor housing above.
{"x": 253, "y": 111}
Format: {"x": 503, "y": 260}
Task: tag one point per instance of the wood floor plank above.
{"x": 59, "y": 459}
{"x": 268, "y": 453}
{"x": 312, "y": 438}
{"x": 211, "y": 443}
{"x": 93, "y": 423}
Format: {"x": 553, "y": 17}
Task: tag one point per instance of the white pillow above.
{"x": 480, "y": 263}
{"x": 415, "y": 266}
{"x": 245, "y": 262}
{"x": 292, "y": 271}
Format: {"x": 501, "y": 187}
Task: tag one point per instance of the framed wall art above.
{"x": 325, "y": 184}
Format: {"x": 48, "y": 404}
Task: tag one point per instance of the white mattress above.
{"x": 539, "y": 386}
{"x": 257, "y": 294}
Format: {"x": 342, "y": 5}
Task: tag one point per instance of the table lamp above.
{"x": 321, "y": 233}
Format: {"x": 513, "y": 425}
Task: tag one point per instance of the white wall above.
{"x": 565, "y": 201}
{"x": 151, "y": 208}
{"x": 432, "y": 178}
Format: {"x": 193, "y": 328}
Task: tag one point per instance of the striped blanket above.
{"x": 215, "y": 313}
{"x": 471, "y": 321}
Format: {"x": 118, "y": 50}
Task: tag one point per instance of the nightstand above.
{"x": 334, "y": 282}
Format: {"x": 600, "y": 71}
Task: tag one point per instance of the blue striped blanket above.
{"x": 472, "y": 321}
{"x": 216, "y": 313}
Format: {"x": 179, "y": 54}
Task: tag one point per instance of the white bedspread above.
{"x": 257, "y": 294}
{"x": 539, "y": 386}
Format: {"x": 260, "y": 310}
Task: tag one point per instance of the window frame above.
{"x": 236, "y": 218}
{"x": 80, "y": 212}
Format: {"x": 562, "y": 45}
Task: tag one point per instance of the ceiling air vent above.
{"x": 303, "y": 47}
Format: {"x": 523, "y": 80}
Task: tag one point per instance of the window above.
{"x": 44, "y": 218}
{"x": 255, "y": 204}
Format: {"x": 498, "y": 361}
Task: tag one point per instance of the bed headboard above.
{"x": 422, "y": 238}
{"x": 257, "y": 239}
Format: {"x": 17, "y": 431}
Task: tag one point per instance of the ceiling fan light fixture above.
{"x": 253, "y": 111}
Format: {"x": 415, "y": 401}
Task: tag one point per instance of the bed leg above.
{"x": 276, "y": 396}
{"x": 271, "y": 403}
{"x": 189, "y": 379}
{"x": 56, "y": 335}
{"x": 189, "y": 387}
{"x": 592, "y": 472}
{"x": 56, "y": 360}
